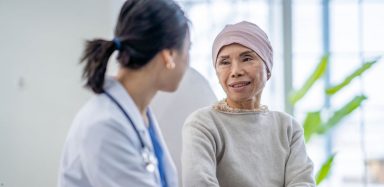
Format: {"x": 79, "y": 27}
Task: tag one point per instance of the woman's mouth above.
{"x": 239, "y": 84}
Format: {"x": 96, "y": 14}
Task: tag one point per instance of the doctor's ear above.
{"x": 168, "y": 59}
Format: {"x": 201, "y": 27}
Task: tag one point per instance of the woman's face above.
{"x": 241, "y": 72}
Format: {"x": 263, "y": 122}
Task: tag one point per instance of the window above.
{"x": 355, "y": 34}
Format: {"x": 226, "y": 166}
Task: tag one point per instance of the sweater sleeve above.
{"x": 299, "y": 167}
{"x": 198, "y": 156}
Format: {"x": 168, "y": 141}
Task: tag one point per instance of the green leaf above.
{"x": 325, "y": 169}
{"x": 312, "y": 124}
{"x": 347, "y": 80}
{"x": 343, "y": 112}
{"x": 319, "y": 72}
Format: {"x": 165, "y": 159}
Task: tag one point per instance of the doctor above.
{"x": 114, "y": 140}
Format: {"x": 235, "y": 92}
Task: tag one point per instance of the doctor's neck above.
{"x": 140, "y": 87}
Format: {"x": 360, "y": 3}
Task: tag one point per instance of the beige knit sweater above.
{"x": 246, "y": 149}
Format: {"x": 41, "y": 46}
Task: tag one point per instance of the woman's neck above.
{"x": 250, "y": 104}
{"x": 139, "y": 88}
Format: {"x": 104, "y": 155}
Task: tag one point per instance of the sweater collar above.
{"x": 222, "y": 106}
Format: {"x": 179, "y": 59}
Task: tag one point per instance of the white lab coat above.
{"x": 103, "y": 150}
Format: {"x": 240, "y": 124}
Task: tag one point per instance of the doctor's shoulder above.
{"x": 98, "y": 114}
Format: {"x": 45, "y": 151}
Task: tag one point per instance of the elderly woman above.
{"x": 238, "y": 142}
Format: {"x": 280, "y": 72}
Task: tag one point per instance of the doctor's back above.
{"x": 115, "y": 140}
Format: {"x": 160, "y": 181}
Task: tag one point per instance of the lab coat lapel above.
{"x": 169, "y": 165}
{"x": 113, "y": 87}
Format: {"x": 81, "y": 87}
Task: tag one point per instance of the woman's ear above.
{"x": 166, "y": 54}
{"x": 267, "y": 72}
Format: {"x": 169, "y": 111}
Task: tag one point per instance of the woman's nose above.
{"x": 236, "y": 70}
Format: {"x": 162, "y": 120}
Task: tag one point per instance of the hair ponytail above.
{"x": 144, "y": 27}
{"x": 96, "y": 56}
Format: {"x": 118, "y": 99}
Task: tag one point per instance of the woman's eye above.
{"x": 224, "y": 62}
{"x": 246, "y": 59}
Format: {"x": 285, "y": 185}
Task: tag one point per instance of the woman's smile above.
{"x": 239, "y": 86}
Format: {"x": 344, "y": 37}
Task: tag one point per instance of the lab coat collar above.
{"x": 116, "y": 90}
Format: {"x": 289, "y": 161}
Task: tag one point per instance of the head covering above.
{"x": 249, "y": 35}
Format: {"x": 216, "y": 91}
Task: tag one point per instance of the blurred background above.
{"x": 317, "y": 44}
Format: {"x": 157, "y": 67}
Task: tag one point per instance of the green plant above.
{"x": 315, "y": 123}
{"x": 324, "y": 170}
{"x": 316, "y": 75}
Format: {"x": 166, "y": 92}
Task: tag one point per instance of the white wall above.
{"x": 40, "y": 45}
{"x": 172, "y": 109}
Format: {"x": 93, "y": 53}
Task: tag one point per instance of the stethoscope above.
{"x": 148, "y": 157}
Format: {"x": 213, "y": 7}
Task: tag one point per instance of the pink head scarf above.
{"x": 249, "y": 35}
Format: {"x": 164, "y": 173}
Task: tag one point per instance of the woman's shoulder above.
{"x": 97, "y": 113}
{"x": 97, "y": 104}
{"x": 281, "y": 115}
{"x": 203, "y": 123}
{"x": 201, "y": 114}
{"x": 286, "y": 120}
{"x": 203, "y": 118}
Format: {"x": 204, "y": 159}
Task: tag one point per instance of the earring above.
{"x": 170, "y": 65}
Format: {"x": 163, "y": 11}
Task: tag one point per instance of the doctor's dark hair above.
{"x": 144, "y": 28}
